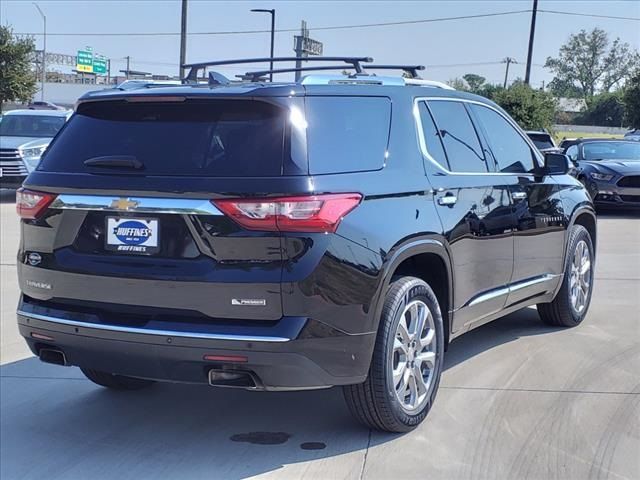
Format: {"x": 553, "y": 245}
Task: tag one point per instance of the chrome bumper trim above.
{"x": 156, "y": 205}
{"x": 164, "y": 333}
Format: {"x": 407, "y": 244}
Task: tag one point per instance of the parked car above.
{"x": 39, "y": 105}
{"x": 567, "y": 142}
{"x": 24, "y": 135}
{"x": 609, "y": 170}
{"x": 294, "y": 236}
{"x": 543, "y": 141}
{"x": 633, "y": 135}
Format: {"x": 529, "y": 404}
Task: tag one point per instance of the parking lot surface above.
{"x": 518, "y": 400}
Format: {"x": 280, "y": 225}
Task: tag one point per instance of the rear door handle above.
{"x": 519, "y": 195}
{"x": 447, "y": 200}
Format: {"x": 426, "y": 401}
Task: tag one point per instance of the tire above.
{"x": 375, "y": 402}
{"x": 115, "y": 382}
{"x": 563, "y": 311}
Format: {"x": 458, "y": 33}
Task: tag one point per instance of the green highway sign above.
{"x": 84, "y": 61}
{"x": 99, "y": 66}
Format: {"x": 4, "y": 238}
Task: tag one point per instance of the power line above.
{"x": 285, "y": 30}
{"x": 594, "y": 15}
{"x": 330, "y": 27}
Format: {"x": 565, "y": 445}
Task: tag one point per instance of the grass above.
{"x": 559, "y": 135}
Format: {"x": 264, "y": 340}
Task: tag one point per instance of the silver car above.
{"x": 24, "y": 136}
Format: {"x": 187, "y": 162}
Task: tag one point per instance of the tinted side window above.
{"x": 572, "y": 151}
{"x": 510, "y": 152}
{"x": 432, "y": 138}
{"x": 347, "y": 134}
{"x": 459, "y": 136}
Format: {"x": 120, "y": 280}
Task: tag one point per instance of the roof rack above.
{"x": 258, "y": 75}
{"x": 192, "y": 76}
{"x": 410, "y": 70}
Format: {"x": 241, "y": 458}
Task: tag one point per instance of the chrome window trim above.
{"x": 154, "y": 205}
{"x": 423, "y": 144}
{"x": 164, "y": 333}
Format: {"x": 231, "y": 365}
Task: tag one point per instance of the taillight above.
{"x": 30, "y": 204}
{"x": 314, "y": 213}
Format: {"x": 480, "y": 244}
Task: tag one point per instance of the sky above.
{"x": 446, "y": 48}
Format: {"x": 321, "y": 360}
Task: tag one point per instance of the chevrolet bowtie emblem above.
{"x": 124, "y": 204}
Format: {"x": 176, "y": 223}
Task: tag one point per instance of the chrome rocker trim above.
{"x": 484, "y": 297}
{"x": 144, "y": 331}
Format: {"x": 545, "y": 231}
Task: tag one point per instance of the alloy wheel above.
{"x": 580, "y": 277}
{"x": 413, "y": 357}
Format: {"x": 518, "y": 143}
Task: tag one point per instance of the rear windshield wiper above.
{"x": 116, "y": 161}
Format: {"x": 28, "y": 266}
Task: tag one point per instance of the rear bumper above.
{"x": 315, "y": 358}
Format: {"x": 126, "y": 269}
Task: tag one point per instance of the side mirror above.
{"x": 557, "y": 164}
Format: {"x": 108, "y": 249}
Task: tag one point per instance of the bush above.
{"x": 532, "y": 109}
{"x": 605, "y": 110}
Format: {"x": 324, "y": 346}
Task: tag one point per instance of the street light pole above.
{"x": 183, "y": 38}
{"x": 44, "y": 51}
{"x": 272, "y": 11}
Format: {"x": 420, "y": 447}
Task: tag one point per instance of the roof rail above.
{"x": 192, "y": 76}
{"x": 427, "y": 83}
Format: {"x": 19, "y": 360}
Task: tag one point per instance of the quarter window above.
{"x": 458, "y": 136}
{"x": 432, "y": 136}
{"x": 509, "y": 151}
{"x": 572, "y": 151}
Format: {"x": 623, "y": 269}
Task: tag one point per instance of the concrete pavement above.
{"x": 517, "y": 400}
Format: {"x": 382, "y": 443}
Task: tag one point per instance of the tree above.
{"x": 17, "y": 80}
{"x": 606, "y": 110}
{"x": 457, "y": 83}
{"x": 474, "y": 81}
{"x": 532, "y": 109}
{"x": 631, "y": 101}
{"x": 588, "y": 63}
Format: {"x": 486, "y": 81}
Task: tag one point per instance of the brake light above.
{"x": 314, "y": 213}
{"x": 30, "y": 204}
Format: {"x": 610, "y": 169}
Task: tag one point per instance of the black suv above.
{"x": 339, "y": 230}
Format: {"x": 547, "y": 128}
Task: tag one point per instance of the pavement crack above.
{"x": 366, "y": 453}
{"x": 540, "y": 390}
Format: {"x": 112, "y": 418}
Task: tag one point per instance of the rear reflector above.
{"x": 226, "y": 358}
{"x": 40, "y": 336}
{"x": 30, "y": 204}
{"x": 314, "y": 213}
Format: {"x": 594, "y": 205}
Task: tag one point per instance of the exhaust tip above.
{"x": 50, "y": 355}
{"x": 232, "y": 379}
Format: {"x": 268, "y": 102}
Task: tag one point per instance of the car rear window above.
{"x": 347, "y": 134}
{"x": 31, "y": 125}
{"x": 541, "y": 141}
{"x": 220, "y": 138}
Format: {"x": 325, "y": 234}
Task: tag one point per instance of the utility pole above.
{"x": 109, "y": 71}
{"x": 183, "y": 38}
{"x": 128, "y": 62}
{"x": 532, "y": 32}
{"x": 44, "y": 51}
{"x": 272, "y": 11}
{"x": 508, "y": 61}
